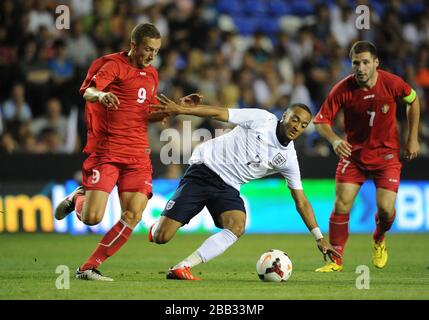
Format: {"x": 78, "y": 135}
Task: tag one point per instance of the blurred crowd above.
{"x": 207, "y": 47}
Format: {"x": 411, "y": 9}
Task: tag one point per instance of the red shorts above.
{"x": 101, "y": 172}
{"x": 386, "y": 178}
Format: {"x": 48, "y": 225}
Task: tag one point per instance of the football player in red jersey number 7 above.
{"x": 119, "y": 90}
{"x": 372, "y": 146}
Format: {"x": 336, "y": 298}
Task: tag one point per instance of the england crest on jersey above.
{"x": 278, "y": 160}
{"x": 170, "y": 204}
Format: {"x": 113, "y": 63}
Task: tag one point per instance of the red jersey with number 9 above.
{"x": 120, "y": 132}
{"x": 369, "y": 117}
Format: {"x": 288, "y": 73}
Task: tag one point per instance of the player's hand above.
{"x": 342, "y": 148}
{"x": 327, "y": 250}
{"x": 109, "y": 100}
{"x": 412, "y": 149}
{"x": 191, "y": 99}
{"x": 167, "y": 105}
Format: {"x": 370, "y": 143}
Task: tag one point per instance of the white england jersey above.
{"x": 250, "y": 151}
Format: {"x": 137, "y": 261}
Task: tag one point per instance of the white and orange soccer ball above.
{"x": 274, "y": 266}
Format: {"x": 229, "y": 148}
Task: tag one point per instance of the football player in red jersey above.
{"x": 372, "y": 145}
{"x": 119, "y": 90}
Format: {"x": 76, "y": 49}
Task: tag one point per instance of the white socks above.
{"x": 216, "y": 244}
{"x": 193, "y": 260}
{"x": 211, "y": 248}
{"x": 155, "y": 226}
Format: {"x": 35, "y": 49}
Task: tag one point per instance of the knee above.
{"x": 132, "y": 218}
{"x": 237, "y": 228}
{"x": 91, "y": 218}
{"x": 342, "y": 206}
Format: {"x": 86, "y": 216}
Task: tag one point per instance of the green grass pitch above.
{"x": 28, "y": 263}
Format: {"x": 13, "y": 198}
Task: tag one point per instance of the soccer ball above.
{"x": 274, "y": 266}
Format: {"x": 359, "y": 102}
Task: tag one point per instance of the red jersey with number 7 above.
{"x": 120, "y": 132}
{"x": 369, "y": 117}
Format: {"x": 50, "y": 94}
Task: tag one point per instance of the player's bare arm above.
{"x": 171, "y": 107}
{"x": 191, "y": 99}
{"x": 306, "y": 212}
{"x": 412, "y": 146}
{"x": 108, "y": 99}
{"x": 342, "y": 148}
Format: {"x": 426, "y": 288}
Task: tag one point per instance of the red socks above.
{"x": 382, "y": 225}
{"x": 339, "y": 232}
{"x": 114, "y": 239}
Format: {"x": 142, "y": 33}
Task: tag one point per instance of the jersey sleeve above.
{"x": 292, "y": 174}
{"x": 248, "y": 117}
{"x": 404, "y": 91}
{"x": 329, "y": 109}
{"x": 105, "y": 75}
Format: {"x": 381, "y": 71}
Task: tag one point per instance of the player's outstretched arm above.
{"x": 341, "y": 147}
{"x": 412, "y": 147}
{"x": 169, "y": 106}
{"x": 108, "y": 99}
{"x": 305, "y": 210}
{"x": 190, "y": 99}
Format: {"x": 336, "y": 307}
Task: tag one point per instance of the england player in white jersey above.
{"x": 258, "y": 146}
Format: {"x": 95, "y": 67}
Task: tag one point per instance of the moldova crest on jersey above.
{"x": 385, "y": 108}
